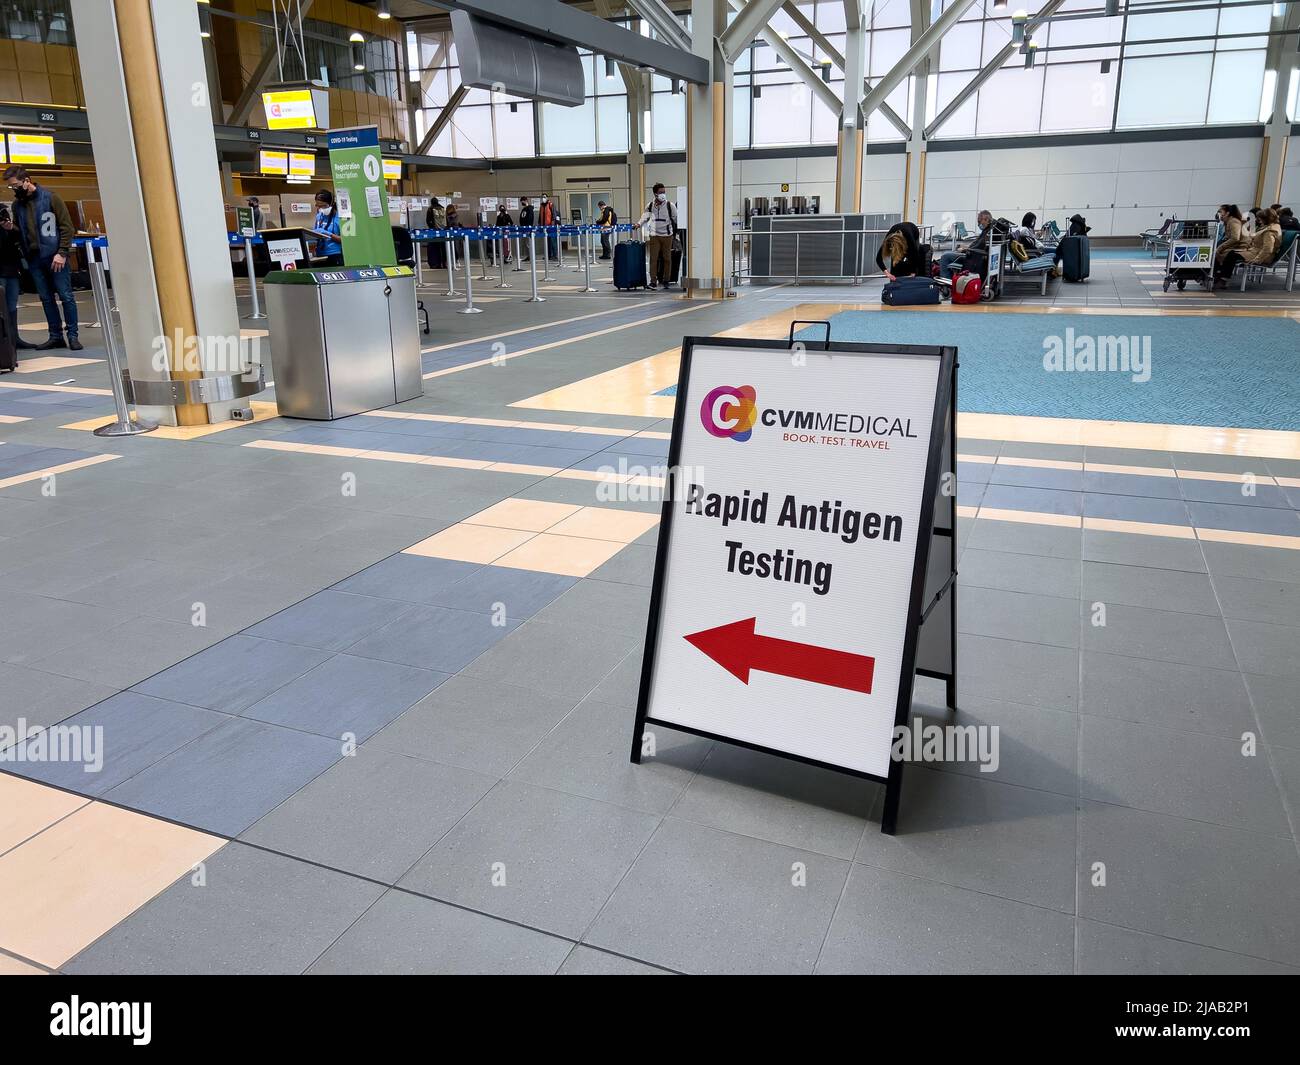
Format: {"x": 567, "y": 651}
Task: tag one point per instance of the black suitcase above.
{"x": 1074, "y": 257}
{"x": 675, "y": 278}
{"x": 629, "y": 264}
{"x": 8, "y": 339}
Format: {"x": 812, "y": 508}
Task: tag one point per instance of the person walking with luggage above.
{"x": 659, "y": 222}
{"x": 547, "y": 216}
{"x": 527, "y": 218}
{"x": 436, "y": 218}
{"x": 607, "y": 219}
{"x": 45, "y": 233}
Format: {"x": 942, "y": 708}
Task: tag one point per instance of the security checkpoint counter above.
{"x": 346, "y": 340}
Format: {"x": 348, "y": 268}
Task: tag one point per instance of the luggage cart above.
{"x": 1191, "y": 254}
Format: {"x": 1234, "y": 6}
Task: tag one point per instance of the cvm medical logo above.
{"x": 729, "y": 411}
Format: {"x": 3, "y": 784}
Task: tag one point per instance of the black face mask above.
{"x": 22, "y": 194}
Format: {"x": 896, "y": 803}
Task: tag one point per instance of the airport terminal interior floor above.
{"x": 372, "y": 682}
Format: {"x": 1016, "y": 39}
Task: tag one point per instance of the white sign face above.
{"x": 300, "y": 208}
{"x": 283, "y": 250}
{"x": 343, "y": 201}
{"x": 784, "y": 603}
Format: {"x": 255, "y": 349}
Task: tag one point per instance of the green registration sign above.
{"x": 357, "y": 166}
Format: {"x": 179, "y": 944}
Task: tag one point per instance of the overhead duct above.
{"x": 496, "y": 57}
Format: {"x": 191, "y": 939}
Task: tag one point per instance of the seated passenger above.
{"x": 1261, "y": 250}
{"x": 1024, "y": 234}
{"x": 974, "y": 256}
{"x": 903, "y": 249}
{"x": 1234, "y": 237}
{"x": 1287, "y": 219}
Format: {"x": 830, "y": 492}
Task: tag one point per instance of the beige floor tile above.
{"x": 470, "y": 543}
{"x": 68, "y": 886}
{"x": 13, "y": 967}
{"x": 528, "y": 515}
{"x": 571, "y": 556}
{"x": 605, "y": 523}
{"x": 27, "y": 807}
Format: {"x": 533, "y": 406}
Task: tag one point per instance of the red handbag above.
{"x": 967, "y": 287}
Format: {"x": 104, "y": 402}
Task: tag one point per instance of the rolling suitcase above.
{"x": 8, "y": 339}
{"x": 675, "y": 277}
{"x": 629, "y": 265}
{"x": 1074, "y": 258}
{"x": 910, "y": 292}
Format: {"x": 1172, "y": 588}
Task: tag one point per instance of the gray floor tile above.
{"x": 1107, "y": 950}
{"x": 514, "y": 593}
{"x": 1273, "y": 650}
{"x": 588, "y": 754}
{"x": 1196, "y": 639}
{"x": 1184, "y": 774}
{"x": 373, "y": 814}
{"x": 234, "y": 674}
{"x": 1035, "y": 748}
{"x": 622, "y": 685}
{"x": 1189, "y": 880}
{"x": 1031, "y": 673}
{"x": 330, "y": 620}
{"x": 130, "y": 733}
{"x": 635, "y": 564}
{"x": 256, "y": 913}
{"x": 587, "y": 961}
{"x": 476, "y": 723}
{"x": 412, "y": 578}
{"x": 953, "y": 931}
{"x": 32, "y": 626}
{"x": 1018, "y": 616}
{"x": 620, "y": 608}
{"x": 567, "y": 660}
{"x": 434, "y": 637}
{"x": 229, "y": 777}
{"x": 779, "y": 800}
{"x": 1169, "y": 694}
{"x": 1165, "y": 589}
{"x": 128, "y": 652}
{"x": 346, "y": 696}
{"x": 979, "y": 834}
{"x": 1249, "y": 560}
{"x": 403, "y": 934}
{"x": 1009, "y": 572}
{"x": 1026, "y": 539}
{"x": 555, "y": 857}
{"x": 1286, "y": 762}
{"x": 706, "y": 924}
{"x": 1277, "y": 701}
{"x": 1274, "y": 602}
{"x": 1134, "y": 549}
{"x": 44, "y": 698}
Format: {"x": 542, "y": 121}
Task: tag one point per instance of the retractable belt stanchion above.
{"x": 483, "y": 257}
{"x": 502, "y": 244}
{"x": 252, "y": 282}
{"x": 124, "y": 425}
{"x": 450, "y": 244}
{"x": 582, "y": 239}
{"x": 419, "y": 267}
{"x": 519, "y": 264}
{"x": 546, "y": 249}
{"x": 532, "y": 266}
{"x": 89, "y": 249}
{"x": 469, "y": 307}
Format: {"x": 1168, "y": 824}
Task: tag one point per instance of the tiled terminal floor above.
{"x": 398, "y": 740}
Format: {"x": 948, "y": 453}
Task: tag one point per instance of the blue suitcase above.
{"x": 629, "y": 264}
{"x": 910, "y": 292}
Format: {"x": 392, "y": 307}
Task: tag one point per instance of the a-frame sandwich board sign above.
{"x": 805, "y": 569}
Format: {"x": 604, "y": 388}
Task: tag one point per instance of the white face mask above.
{"x": 544, "y": 199}
{"x": 661, "y": 197}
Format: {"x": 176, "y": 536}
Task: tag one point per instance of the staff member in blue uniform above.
{"x": 328, "y": 248}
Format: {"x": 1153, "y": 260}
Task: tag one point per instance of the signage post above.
{"x": 805, "y": 570}
{"x": 361, "y": 198}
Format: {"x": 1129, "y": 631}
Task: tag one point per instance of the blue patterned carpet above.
{"x": 1238, "y": 372}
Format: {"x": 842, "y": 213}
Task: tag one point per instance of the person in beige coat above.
{"x": 1234, "y": 236}
{"x": 1262, "y": 248}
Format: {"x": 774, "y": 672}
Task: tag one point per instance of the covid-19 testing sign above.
{"x": 790, "y": 575}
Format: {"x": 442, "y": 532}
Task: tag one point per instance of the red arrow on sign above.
{"x": 737, "y": 648}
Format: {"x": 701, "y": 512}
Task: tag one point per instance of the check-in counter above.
{"x": 345, "y": 340}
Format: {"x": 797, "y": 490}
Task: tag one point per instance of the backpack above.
{"x": 967, "y": 287}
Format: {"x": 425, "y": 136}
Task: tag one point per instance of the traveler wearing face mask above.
{"x": 527, "y": 217}
{"x": 660, "y": 225}
{"x": 546, "y": 216}
{"x": 45, "y": 233}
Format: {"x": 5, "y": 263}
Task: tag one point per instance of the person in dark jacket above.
{"x": 607, "y": 219}
{"x": 527, "y": 217}
{"x": 45, "y": 233}
{"x": 504, "y": 219}
{"x": 436, "y": 218}
{"x": 902, "y": 247}
{"x": 11, "y": 269}
{"x": 1079, "y": 226}
{"x": 974, "y": 256}
{"x": 1287, "y": 220}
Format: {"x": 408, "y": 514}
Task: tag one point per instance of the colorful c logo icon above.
{"x": 730, "y": 411}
